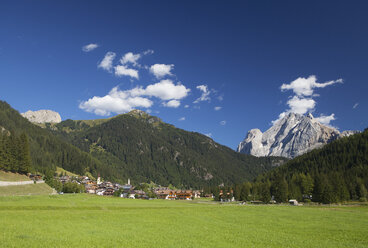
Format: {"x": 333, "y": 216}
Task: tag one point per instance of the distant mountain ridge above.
{"x": 290, "y": 137}
{"x": 42, "y": 116}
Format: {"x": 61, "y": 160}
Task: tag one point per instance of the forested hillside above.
{"x": 47, "y": 151}
{"x": 337, "y": 172}
{"x": 147, "y": 149}
{"x": 136, "y": 146}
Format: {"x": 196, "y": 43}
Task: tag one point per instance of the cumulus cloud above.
{"x": 182, "y": 119}
{"x": 166, "y": 90}
{"x": 301, "y": 105}
{"x": 122, "y": 70}
{"x": 89, "y": 47}
{"x": 217, "y": 108}
{"x": 355, "y": 105}
{"x": 130, "y": 58}
{"x": 172, "y": 104}
{"x": 186, "y": 106}
{"x": 325, "y": 119}
{"x": 122, "y": 101}
{"x": 161, "y": 70}
{"x": 106, "y": 62}
{"x": 116, "y": 101}
{"x": 222, "y": 123}
{"x": 205, "y": 94}
{"x": 304, "y": 86}
{"x": 302, "y": 102}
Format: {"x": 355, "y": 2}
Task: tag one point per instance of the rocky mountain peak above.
{"x": 42, "y": 116}
{"x": 291, "y": 136}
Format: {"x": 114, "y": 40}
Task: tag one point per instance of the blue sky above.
{"x": 180, "y": 60}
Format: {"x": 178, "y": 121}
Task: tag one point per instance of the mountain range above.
{"x": 291, "y": 136}
{"x": 135, "y": 145}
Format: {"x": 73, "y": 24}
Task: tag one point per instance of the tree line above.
{"x": 337, "y": 172}
{"x": 14, "y": 153}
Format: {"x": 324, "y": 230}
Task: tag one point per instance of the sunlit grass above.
{"x": 27, "y": 189}
{"x": 93, "y": 221}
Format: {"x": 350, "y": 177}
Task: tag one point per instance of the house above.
{"x": 109, "y": 191}
{"x": 100, "y": 191}
{"x": 166, "y": 194}
{"x": 140, "y": 194}
{"x": 184, "y": 195}
{"x": 90, "y": 188}
{"x": 35, "y": 177}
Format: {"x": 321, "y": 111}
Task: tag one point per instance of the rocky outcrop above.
{"x": 289, "y": 137}
{"x": 42, "y": 116}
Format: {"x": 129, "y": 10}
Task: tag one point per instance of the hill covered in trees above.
{"x": 136, "y": 146}
{"x": 46, "y": 150}
{"x": 146, "y": 149}
{"x": 335, "y": 173}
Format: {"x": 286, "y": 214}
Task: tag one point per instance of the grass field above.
{"x": 28, "y": 189}
{"x": 82, "y": 220}
{"x": 13, "y": 177}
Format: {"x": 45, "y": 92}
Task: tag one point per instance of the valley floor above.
{"x": 81, "y": 220}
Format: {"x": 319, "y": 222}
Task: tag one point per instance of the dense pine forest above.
{"x": 46, "y": 150}
{"x": 335, "y": 173}
{"x": 14, "y": 153}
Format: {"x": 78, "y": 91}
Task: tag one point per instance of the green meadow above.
{"x": 30, "y": 189}
{"x": 81, "y": 220}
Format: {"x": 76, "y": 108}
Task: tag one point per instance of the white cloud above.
{"x": 106, "y": 62}
{"x": 304, "y": 86}
{"x": 167, "y": 90}
{"x": 148, "y": 52}
{"x": 130, "y": 58}
{"x": 161, "y": 70}
{"x": 205, "y": 94}
{"x": 122, "y": 70}
{"x": 122, "y": 101}
{"x": 222, "y": 123}
{"x": 89, "y": 47}
{"x": 172, "y": 104}
{"x": 209, "y": 135}
{"x": 217, "y": 108}
{"x": 186, "y": 106}
{"x": 302, "y": 102}
{"x": 116, "y": 101}
{"x": 301, "y": 105}
{"x": 182, "y": 119}
{"x": 355, "y": 105}
{"x": 325, "y": 119}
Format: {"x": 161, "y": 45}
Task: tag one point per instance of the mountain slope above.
{"x": 47, "y": 151}
{"x": 290, "y": 137}
{"x": 337, "y": 172}
{"x": 144, "y": 148}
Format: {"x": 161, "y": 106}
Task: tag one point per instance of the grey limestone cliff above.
{"x": 42, "y": 116}
{"x": 291, "y": 136}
